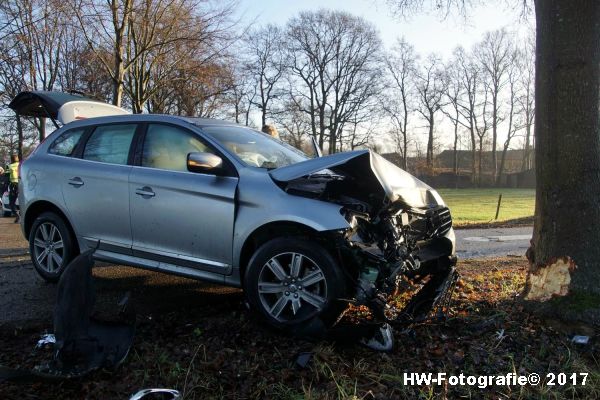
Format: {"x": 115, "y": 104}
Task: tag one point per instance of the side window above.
{"x": 66, "y": 143}
{"x": 110, "y": 144}
{"x": 167, "y": 147}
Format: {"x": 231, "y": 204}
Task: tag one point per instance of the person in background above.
{"x": 13, "y": 185}
{"x": 270, "y": 130}
{"x": 3, "y": 181}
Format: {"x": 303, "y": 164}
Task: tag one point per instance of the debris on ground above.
{"x": 149, "y": 394}
{"x": 204, "y": 343}
{"x": 580, "y": 339}
{"x": 46, "y": 339}
{"x": 81, "y": 344}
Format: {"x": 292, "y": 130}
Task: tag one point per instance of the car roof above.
{"x": 200, "y": 122}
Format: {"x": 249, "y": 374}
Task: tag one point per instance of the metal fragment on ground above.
{"x": 47, "y": 338}
{"x": 383, "y": 340}
{"x": 580, "y": 339}
{"x": 172, "y": 393}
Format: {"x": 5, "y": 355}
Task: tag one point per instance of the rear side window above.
{"x": 110, "y": 144}
{"x": 66, "y": 143}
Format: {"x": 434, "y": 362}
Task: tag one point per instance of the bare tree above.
{"x": 526, "y": 100}
{"x": 454, "y": 94}
{"x": 431, "y": 86}
{"x": 401, "y": 67}
{"x": 358, "y": 135}
{"x": 105, "y": 25}
{"x": 265, "y": 64}
{"x": 167, "y": 34}
{"x": 333, "y": 59}
{"x": 241, "y": 95}
{"x": 202, "y": 93}
{"x": 564, "y": 257}
{"x": 81, "y": 71}
{"x": 295, "y": 124}
{"x": 495, "y": 54}
{"x": 472, "y": 106}
{"x": 33, "y": 31}
{"x": 513, "y": 74}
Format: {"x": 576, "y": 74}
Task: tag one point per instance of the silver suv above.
{"x": 215, "y": 201}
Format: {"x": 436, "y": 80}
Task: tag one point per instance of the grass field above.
{"x": 475, "y": 206}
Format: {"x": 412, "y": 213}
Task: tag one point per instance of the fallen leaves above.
{"x": 220, "y": 350}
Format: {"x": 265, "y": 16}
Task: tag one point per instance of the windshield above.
{"x": 255, "y": 149}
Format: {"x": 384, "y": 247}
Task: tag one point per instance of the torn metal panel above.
{"x": 82, "y": 343}
{"x": 46, "y": 339}
{"x": 366, "y": 176}
{"x": 383, "y": 340}
{"x": 75, "y": 301}
{"x": 400, "y": 231}
{"x": 170, "y": 394}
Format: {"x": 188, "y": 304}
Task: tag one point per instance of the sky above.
{"x": 428, "y": 33}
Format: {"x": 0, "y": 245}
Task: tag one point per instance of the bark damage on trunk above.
{"x": 565, "y": 255}
{"x": 549, "y": 280}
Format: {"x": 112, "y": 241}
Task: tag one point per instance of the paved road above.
{"x": 474, "y": 243}
{"x": 27, "y": 300}
{"x": 25, "y": 297}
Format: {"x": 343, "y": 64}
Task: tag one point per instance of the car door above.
{"x": 180, "y": 217}
{"x": 95, "y": 187}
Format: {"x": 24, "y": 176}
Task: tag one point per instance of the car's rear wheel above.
{"x": 295, "y": 284}
{"x": 52, "y": 246}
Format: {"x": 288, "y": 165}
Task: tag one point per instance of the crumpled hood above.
{"x": 371, "y": 172}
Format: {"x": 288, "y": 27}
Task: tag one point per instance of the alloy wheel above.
{"x": 291, "y": 286}
{"x": 48, "y": 247}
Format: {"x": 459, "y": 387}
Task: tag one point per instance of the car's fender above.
{"x": 260, "y": 201}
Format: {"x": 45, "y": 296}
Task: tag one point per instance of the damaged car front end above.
{"x": 399, "y": 248}
{"x": 223, "y": 203}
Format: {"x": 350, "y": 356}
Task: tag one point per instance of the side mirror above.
{"x": 203, "y": 162}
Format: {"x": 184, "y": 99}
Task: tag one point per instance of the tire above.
{"x": 47, "y": 232}
{"x": 304, "y": 300}
{"x": 6, "y": 214}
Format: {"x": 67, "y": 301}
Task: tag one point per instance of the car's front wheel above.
{"x": 294, "y": 283}
{"x": 51, "y": 246}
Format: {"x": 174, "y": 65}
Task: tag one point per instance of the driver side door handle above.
{"x": 145, "y": 192}
{"x": 76, "y": 181}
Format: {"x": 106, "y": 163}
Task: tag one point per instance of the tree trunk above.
{"x": 567, "y": 157}
{"x": 430, "y": 141}
{"x": 480, "y": 157}
{"x": 119, "y": 72}
{"x": 405, "y": 160}
{"x": 322, "y": 127}
{"x": 502, "y": 163}
{"x": 247, "y": 116}
{"x": 509, "y": 135}
{"x": 494, "y": 134}
{"x": 42, "y": 130}
{"x": 526, "y": 156}
{"x": 473, "y": 154}
{"x": 20, "y": 138}
{"x": 404, "y": 130}
{"x": 455, "y": 160}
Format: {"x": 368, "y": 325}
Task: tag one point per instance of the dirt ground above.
{"x": 28, "y": 300}
{"x": 202, "y": 340}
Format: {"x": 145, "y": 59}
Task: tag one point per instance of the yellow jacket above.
{"x": 14, "y": 172}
